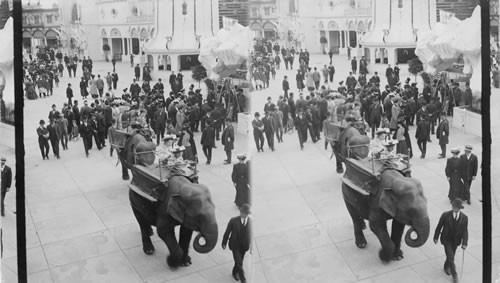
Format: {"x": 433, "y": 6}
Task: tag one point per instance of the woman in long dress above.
{"x": 453, "y": 173}
{"x": 30, "y": 89}
{"x": 240, "y": 178}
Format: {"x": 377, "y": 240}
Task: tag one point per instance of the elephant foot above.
{"x": 340, "y": 170}
{"x": 125, "y": 177}
{"x": 148, "y": 248}
{"x": 361, "y": 243}
{"x": 187, "y": 261}
{"x": 398, "y": 255}
{"x": 172, "y": 261}
{"x": 385, "y": 257}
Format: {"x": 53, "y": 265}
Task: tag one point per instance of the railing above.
{"x": 140, "y": 19}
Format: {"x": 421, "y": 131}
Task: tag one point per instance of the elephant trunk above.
{"x": 422, "y": 229}
{"x": 210, "y": 235}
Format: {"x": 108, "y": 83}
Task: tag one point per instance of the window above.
{"x": 49, "y": 19}
{"x": 254, "y": 12}
{"x": 267, "y": 11}
{"x": 37, "y": 20}
{"x": 400, "y": 3}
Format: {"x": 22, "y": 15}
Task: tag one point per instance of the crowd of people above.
{"x": 386, "y": 114}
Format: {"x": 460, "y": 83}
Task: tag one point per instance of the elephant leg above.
{"x": 147, "y": 245}
{"x": 357, "y": 222}
{"x": 338, "y": 162}
{"x": 185, "y": 235}
{"x": 396, "y": 235}
{"x": 379, "y": 228}
{"x": 166, "y": 232}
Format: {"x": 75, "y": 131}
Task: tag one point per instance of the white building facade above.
{"x": 397, "y": 25}
{"x": 343, "y": 23}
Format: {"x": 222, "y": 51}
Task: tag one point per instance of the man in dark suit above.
{"x": 6, "y": 181}
{"x": 452, "y": 227}
{"x": 160, "y": 120}
{"x": 239, "y": 234}
{"x": 228, "y": 140}
{"x": 43, "y": 139}
{"x": 258, "y": 132}
{"x": 208, "y": 141}
{"x": 286, "y": 87}
{"x": 69, "y": 94}
{"x": 442, "y": 133}
{"x": 86, "y": 132}
{"x": 469, "y": 167}
{"x": 301, "y": 124}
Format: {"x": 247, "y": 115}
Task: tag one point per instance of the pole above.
{"x": 463, "y": 259}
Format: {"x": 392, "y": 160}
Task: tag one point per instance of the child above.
{"x": 384, "y": 123}
{"x": 289, "y": 124}
{"x": 111, "y": 137}
{"x": 74, "y": 133}
{"x": 56, "y": 79}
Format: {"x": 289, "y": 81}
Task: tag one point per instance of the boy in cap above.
{"x": 453, "y": 231}
{"x": 239, "y": 235}
{"x": 469, "y": 170}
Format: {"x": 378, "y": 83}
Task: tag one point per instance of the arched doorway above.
{"x": 38, "y": 39}
{"x": 116, "y": 44}
{"x": 334, "y": 36}
{"x": 269, "y": 30}
{"x": 257, "y": 30}
{"x": 52, "y": 38}
{"x": 27, "y": 41}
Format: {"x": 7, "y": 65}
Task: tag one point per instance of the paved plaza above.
{"x": 303, "y": 230}
{"x": 80, "y": 226}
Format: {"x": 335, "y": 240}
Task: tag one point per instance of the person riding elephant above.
{"x": 341, "y": 147}
{"x": 398, "y": 198}
{"x": 183, "y": 204}
{"x": 180, "y": 202}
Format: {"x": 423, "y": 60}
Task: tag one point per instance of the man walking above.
{"x": 208, "y": 141}
{"x": 269, "y": 130}
{"x": 286, "y": 86}
{"x": 6, "y": 181}
{"x": 69, "y": 94}
{"x": 301, "y": 124}
{"x": 239, "y": 234}
{"x": 86, "y": 132}
{"x": 469, "y": 167}
{"x": 452, "y": 228}
{"x": 54, "y": 136}
{"x": 422, "y": 135}
{"x": 137, "y": 72}
{"x": 43, "y": 139}
{"x": 258, "y": 132}
{"x": 354, "y": 65}
{"x": 228, "y": 140}
{"x": 442, "y": 134}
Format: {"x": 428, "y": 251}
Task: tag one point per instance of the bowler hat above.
{"x": 3, "y": 158}
{"x": 457, "y": 203}
{"x": 245, "y": 208}
{"x": 455, "y": 150}
{"x": 241, "y": 156}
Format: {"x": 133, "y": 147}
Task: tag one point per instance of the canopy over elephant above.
{"x": 180, "y": 203}
{"x": 388, "y": 195}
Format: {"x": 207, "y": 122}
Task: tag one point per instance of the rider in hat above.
{"x": 176, "y": 157}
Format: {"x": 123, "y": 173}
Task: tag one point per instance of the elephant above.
{"x": 180, "y": 202}
{"x": 183, "y": 203}
{"x": 350, "y": 136}
{"x": 396, "y": 197}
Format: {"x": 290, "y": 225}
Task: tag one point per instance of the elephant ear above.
{"x": 388, "y": 201}
{"x": 176, "y": 208}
